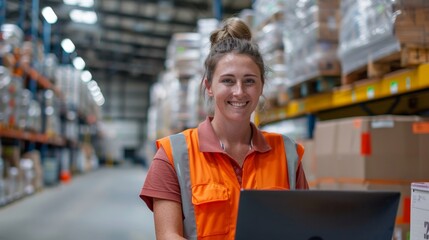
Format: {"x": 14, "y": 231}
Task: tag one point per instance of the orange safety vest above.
{"x": 209, "y": 188}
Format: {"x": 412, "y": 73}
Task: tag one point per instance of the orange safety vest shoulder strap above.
{"x": 292, "y": 158}
{"x": 181, "y": 165}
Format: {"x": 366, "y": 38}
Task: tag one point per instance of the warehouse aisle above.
{"x": 103, "y": 204}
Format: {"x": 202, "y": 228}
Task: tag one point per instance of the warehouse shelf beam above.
{"x": 394, "y": 105}
{"x": 390, "y": 86}
{"x": 366, "y": 109}
{"x": 30, "y": 136}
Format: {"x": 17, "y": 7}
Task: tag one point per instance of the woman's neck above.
{"x": 232, "y": 133}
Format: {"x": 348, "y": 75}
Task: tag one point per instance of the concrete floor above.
{"x": 103, "y": 205}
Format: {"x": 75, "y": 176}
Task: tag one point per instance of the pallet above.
{"x": 410, "y": 56}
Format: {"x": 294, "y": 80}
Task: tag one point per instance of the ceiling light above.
{"x": 82, "y": 3}
{"x": 86, "y": 76}
{"x": 78, "y": 63}
{"x": 100, "y": 101}
{"x": 92, "y": 85}
{"x": 49, "y": 15}
{"x": 67, "y": 45}
{"x": 80, "y": 16}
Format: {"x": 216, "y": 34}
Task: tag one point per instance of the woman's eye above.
{"x": 227, "y": 80}
{"x": 249, "y": 81}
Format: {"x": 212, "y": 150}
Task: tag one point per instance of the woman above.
{"x": 193, "y": 184}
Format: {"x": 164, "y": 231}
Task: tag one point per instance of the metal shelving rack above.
{"x": 392, "y": 86}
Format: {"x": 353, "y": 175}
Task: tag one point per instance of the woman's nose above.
{"x": 238, "y": 89}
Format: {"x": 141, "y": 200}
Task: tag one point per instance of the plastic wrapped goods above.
{"x": 266, "y": 9}
{"x": 22, "y": 110}
{"x": 50, "y": 63}
{"x": 34, "y": 119}
{"x": 27, "y": 169}
{"x": 205, "y": 28}
{"x": 373, "y": 29}
{"x": 14, "y": 91}
{"x": 5, "y": 81}
{"x": 12, "y": 38}
{"x": 51, "y": 111}
{"x": 183, "y": 53}
{"x": 310, "y": 39}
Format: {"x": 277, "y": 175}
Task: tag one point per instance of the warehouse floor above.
{"x": 103, "y": 204}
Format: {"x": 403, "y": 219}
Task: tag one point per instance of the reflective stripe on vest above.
{"x": 292, "y": 160}
{"x": 181, "y": 165}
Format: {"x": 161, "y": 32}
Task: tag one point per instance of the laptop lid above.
{"x": 316, "y": 215}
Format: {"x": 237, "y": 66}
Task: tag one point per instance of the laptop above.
{"x": 316, "y": 215}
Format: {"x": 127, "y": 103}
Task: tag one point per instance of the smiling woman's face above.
{"x": 236, "y": 87}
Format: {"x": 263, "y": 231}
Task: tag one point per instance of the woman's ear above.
{"x": 208, "y": 87}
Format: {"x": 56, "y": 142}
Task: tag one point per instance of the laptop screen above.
{"x": 316, "y": 215}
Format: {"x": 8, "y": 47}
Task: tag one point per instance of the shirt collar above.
{"x": 209, "y": 142}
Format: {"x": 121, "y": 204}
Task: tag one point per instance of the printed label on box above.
{"x": 419, "y": 211}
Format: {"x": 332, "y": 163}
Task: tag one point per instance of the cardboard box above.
{"x": 419, "y": 227}
{"x": 421, "y": 129}
{"x": 406, "y": 4}
{"x": 382, "y": 147}
{"x": 370, "y": 148}
{"x": 422, "y": 16}
{"x": 410, "y": 34}
{"x": 325, "y": 140}
{"x": 308, "y": 161}
{"x": 406, "y": 18}
{"x": 328, "y": 4}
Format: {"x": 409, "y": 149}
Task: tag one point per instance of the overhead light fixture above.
{"x": 86, "y": 76}
{"x": 100, "y": 101}
{"x": 92, "y": 85}
{"x": 49, "y": 15}
{"x": 78, "y": 63}
{"x": 80, "y": 16}
{"x": 81, "y": 3}
{"x": 67, "y": 45}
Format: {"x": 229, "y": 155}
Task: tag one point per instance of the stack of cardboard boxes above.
{"x": 411, "y": 24}
{"x": 370, "y": 153}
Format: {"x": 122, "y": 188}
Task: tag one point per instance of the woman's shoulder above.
{"x": 268, "y": 134}
{"x": 276, "y": 136}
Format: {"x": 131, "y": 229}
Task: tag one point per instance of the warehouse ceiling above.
{"x": 130, "y": 37}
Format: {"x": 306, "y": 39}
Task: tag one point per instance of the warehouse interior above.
{"x": 88, "y": 86}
